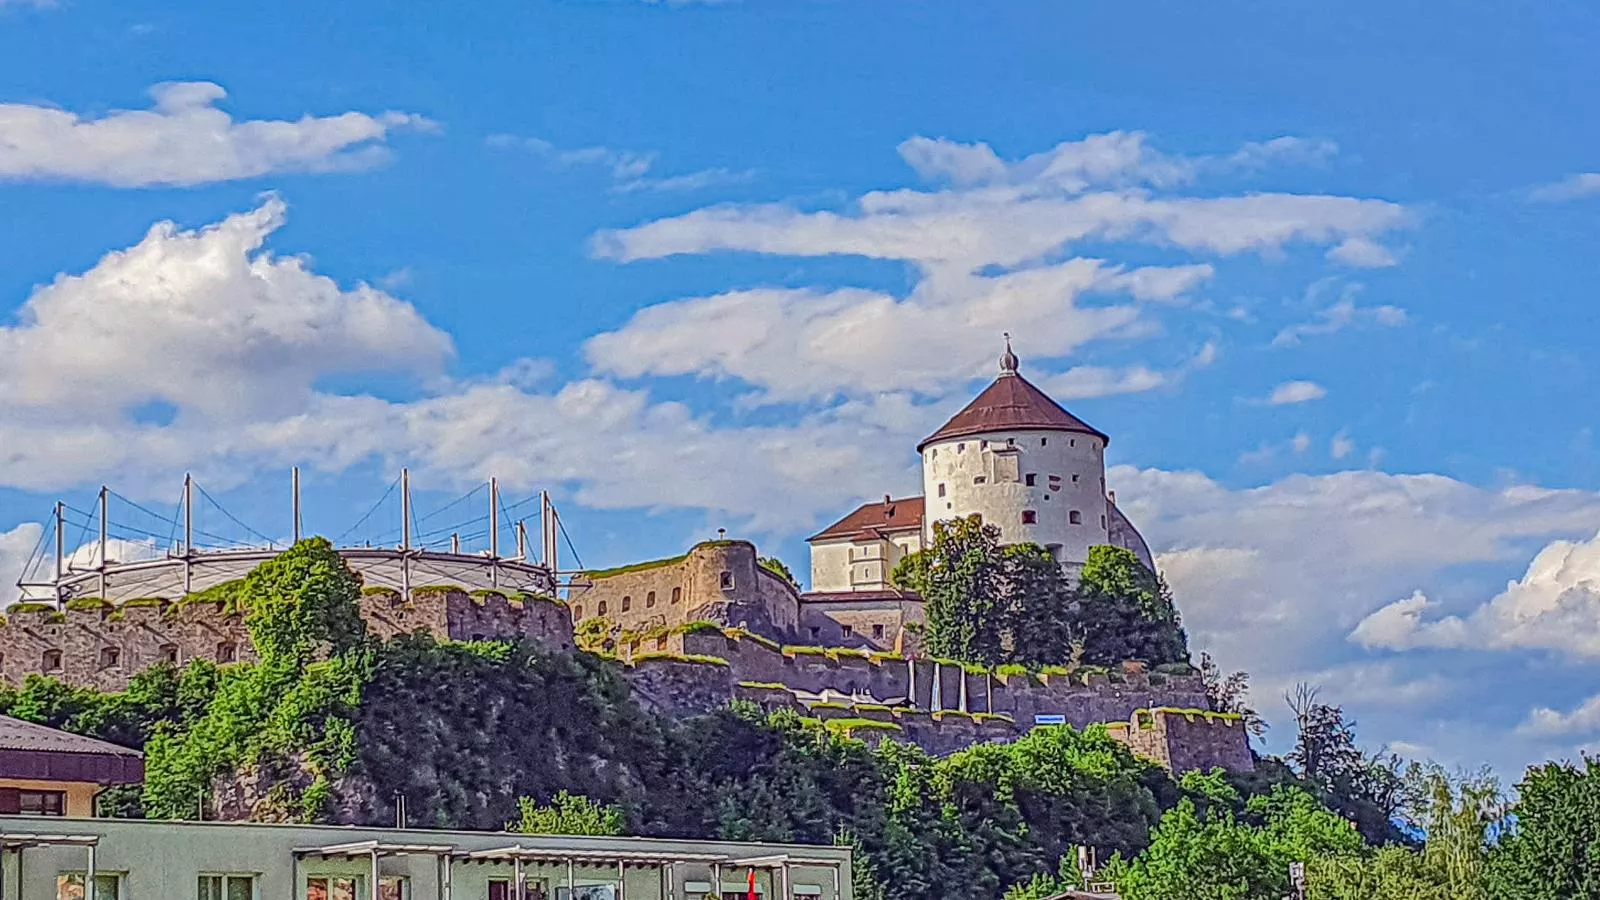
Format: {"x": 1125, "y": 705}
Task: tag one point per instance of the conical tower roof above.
{"x": 1011, "y": 403}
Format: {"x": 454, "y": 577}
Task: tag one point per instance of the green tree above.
{"x": 776, "y": 566}
{"x": 1391, "y": 873}
{"x": 1553, "y": 852}
{"x": 961, "y": 579}
{"x": 1040, "y": 607}
{"x": 1216, "y": 856}
{"x": 1125, "y": 611}
{"x": 303, "y": 603}
{"x": 567, "y": 814}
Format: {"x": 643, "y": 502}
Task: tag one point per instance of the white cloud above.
{"x": 1573, "y": 187}
{"x": 629, "y": 170}
{"x": 1554, "y": 606}
{"x": 1363, "y": 253}
{"x": 1301, "y": 442}
{"x": 1341, "y": 446}
{"x": 1273, "y": 574}
{"x": 1341, "y": 314}
{"x": 1546, "y": 722}
{"x": 184, "y": 139}
{"x": 1293, "y": 392}
{"x": 15, "y": 547}
{"x": 206, "y": 321}
{"x": 801, "y": 344}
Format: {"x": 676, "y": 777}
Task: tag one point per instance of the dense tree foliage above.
{"x": 567, "y": 814}
{"x": 989, "y": 603}
{"x": 1554, "y": 850}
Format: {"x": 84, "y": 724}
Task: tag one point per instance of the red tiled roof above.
{"x": 889, "y": 517}
{"x": 1012, "y": 403}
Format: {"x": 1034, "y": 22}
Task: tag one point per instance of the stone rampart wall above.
{"x": 103, "y": 646}
{"x": 718, "y": 581}
{"x": 1185, "y": 740}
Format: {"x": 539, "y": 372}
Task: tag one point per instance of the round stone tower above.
{"x": 1022, "y": 462}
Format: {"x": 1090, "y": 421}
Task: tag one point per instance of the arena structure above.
{"x": 119, "y": 550}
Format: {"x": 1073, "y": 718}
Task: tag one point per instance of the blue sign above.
{"x": 1049, "y": 720}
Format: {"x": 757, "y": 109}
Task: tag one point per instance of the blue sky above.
{"x": 1325, "y": 275}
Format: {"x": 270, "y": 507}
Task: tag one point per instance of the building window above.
{"x": 1030, "y": 479}
{"x": 52, "y": 660}
{"x": 110, "y": 657}
{"x": 725, "y": 580}
{"x": 539, "y": 889}
{"x": 1044, "y": 442}
{"x": 877, "y": 632}
{"x": 1074, "y": 477}
{"x": 627, "y": 602}
{"x": 227, "y": 652}
{"x": 847, "y": 631}
{"x": 816, "y": 633}
{"x": 1075, "y": 517}
{"x": 1102, "y": 521}
{"x": 980, "y": 479}
{"x": 1011, "y": 442}
{"x": 226, "y": 887}
{"x": 69, "y": 886}
{"x": 332, "y": 888}
{"x": 650, "y": 600}
{"x": 961, "y": 448}
{"x": 1029, "y": 517}
{"x": 661, "y": 642}
{"x": 1072, "y": 442}
{"x": 677, "y": 594}
{"x": 14, "y": 802}
{"x": 1054, "y": 550}
{"x": 169, "y": 653}
{"x": 600, "y": 609}
{"x": 941, "y": 489}
{"x": 577, "y": 613}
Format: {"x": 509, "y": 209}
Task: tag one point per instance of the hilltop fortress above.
{"x": 696, "y": 631}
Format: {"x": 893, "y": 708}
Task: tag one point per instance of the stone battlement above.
{"x": 1183, "y": 740}
{"x": 94, "y": 643}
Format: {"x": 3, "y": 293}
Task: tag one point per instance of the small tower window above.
{"x": 725, "y": 580}
{"x": 627, "y": 603}
{"x": 1044, "y": 442}
{"x": 961, "y": 447}
{"x": 52, "y": 661}
{"x": 650, "y": 600}
{"x": 1029, "y": 517}
{"x": 1072, "y": 442}
{"x": 600, "y": 609}
{"x": 941, "y": 489}
{"x": 110, "y": 657}
{"x": 1074, "y": 477}
{"x": 1102, "y": 521}
{"x": 227, "y": 652}
{"x": 677, "y": 594}
{"x": 816, "y": 632}
{"x": 877, "y": 632}
{"x": 847, "y": 630}
{"x": 1029, "y": 479}
{"x": 169, "y": 653}
{"x": 980, "y": 479}
{"x": 577, "y": 613}
{"x": 1074, "y": 517}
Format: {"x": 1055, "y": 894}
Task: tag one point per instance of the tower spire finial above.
{"x": 1008, "y": 361}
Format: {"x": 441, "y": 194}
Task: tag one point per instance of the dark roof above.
{"x": 1011, "y": 403}
{"x": 28, "y": 750}
{"x": 876, "y": 519}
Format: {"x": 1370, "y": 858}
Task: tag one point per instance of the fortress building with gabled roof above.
{"x": 1014, "y": 457}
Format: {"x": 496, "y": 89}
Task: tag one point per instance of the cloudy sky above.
{"x": 1326, "y": 275}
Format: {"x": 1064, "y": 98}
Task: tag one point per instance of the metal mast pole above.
{"x": 105, "y": 506}
{"x": 405, "y": 533}
{"x": 294, "y": 500}
{"x": 494, "y": 531}
{"x": 61, "y": 545}
{"x": 522, "y": 541}
{"x": 188, "y": 534}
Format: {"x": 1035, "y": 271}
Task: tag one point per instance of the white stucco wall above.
{"x": 859, "y": 565}
{"x": 972, "y": 473}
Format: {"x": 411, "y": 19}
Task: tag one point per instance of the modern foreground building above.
{"x": 45, "y": 772}
{"x": 52, "y": 859}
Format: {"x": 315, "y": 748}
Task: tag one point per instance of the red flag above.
{"x": 752, "y": 885}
